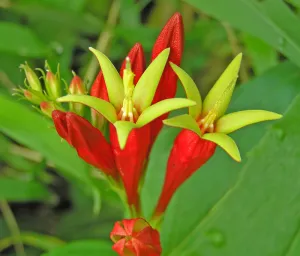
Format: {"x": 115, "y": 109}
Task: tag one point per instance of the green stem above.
{"x": 104, "y": 39}
{"x": 13, "y": 227}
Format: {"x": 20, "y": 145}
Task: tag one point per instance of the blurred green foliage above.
{"x": 54, "y": 204}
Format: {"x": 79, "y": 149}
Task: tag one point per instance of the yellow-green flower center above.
{"x": 128, "y": 111}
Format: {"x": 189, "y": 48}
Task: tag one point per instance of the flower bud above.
{"x": 32, "y": 79}
{"x": 53, "y": 86}
{"x": 47, "y": 108}
{"x": 135, "y": 237}
{"x": 77, "y": 88}
{"x": 34, "y": 97}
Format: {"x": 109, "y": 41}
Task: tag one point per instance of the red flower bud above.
{"x": 77, "y": 87}
{"x": 131, "y": 160}
{"x": 170, "y": 36}
{"x": 188, "y": 154}
{"x": 138, "y": 63}
{"x": 89, "y": 142}
{"x": 34, "y": 97}
{"x": 135, "y": 237}
{"x": 47, "y": 108}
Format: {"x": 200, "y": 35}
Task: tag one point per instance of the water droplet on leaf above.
{"x": 216, "y": 237}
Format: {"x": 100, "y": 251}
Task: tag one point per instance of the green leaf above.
{"x": 234, "y": 121}
{"x": 267, "y": 192}
{"x": 183, "y": 121}
{"x": 145, "y": 89}
{"x": 19, "y": 191}
{"x": 123, "y": 129}
{"x": 103, "y": 107}
{"x": 191, "y": 90}
{"x": 220, "y": 94}
{"x": 162, "y": 107}
{"x": 296, "y": 3}
{"x": 262, "y": 55}
{"x": 113, "y": 80}
{"x": 84, "y": 247}
{"x": 259, "y": 19}
{"x": 36, "y": 240}
{"x": 33, "y": 130}
{"x": 226, "y": 143}
{"x": 220, "y": 172}
{"x": 21, "y": 41}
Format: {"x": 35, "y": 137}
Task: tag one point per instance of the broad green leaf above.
{"x": 123, "y": 129}
{"x": 191, "y": 90}
{"x": 220, "y": 94}
{"x": 296, "y": 3}
{"x": 162, "y": 107}
{"x": 33, "y": 130}
{"x": 248, "y": 218}
{"x": 19, "y": 190}
{"x": 145, "y": 89}
{"x": 282, "y": 82}
{"x": 103, "y": 107}
{"x": 260, "y": 19}
{"x": 262, "y": 55}
{"x": 236, "y": 120}
{"x": 83, "y": 247}
{"x": 226, "y": 143}
{"x": 36, "y": 240}
{"x": 20, "y": 40}
{"x": 113, "y": 81}
{"x": 183, "y": 121}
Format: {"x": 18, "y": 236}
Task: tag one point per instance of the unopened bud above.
{"x": 53, "y": 85}
{"x": 34, "y": 97}
{"x": 32, "y": 79}
{"x": 77, "y": 88}
{"x": 47, "y": 108}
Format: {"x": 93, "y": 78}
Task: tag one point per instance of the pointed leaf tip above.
{"x": 162, "y": 107}
{"x": 103, "y": 107}
{"x": 146, "y": 87}
{"x": 185, "y": 122}
{"x": 220, "y": 94}
{"x": 234, "y": 121}
{"x": 123, "y": 130}
{"x": 112, "y": 79}
{"x": 226, "y": 143}
{"x": 191, "y": 90}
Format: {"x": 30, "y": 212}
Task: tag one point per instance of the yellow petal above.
{"x": 113, "y": 81}
{"x": 103, "y": 107}
{"x": 191, "y": 90}
{"x": 220, "y": 94}
{"x": 145, "y": 89}
{"x": 123, "y": 129}
{"x": 162, "y": 107}
{"x": 226, "y": 143}
{"x": 234, "y": 121}
{"x": 183, "y": 121}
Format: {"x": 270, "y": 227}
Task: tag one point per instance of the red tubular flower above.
{"x": 172, "y": 36}
{"x": 183, "y": 163}
{"x": 131, "y": 160}
{"x": 135, "y": 237}
{"x": 89, "y": 142}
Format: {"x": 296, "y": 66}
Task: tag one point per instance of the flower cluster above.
{"x": 131, "y": 106}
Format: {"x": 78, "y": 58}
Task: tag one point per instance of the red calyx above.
{"x": 188, "y": 154}
{"x": 89, "y": 142}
